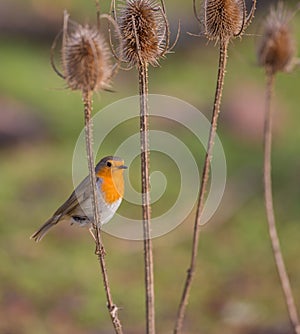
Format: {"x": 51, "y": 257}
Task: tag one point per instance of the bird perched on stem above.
{"x": 77, "y": 209}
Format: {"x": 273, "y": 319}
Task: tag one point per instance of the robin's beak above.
{"x": 122, "y": 167}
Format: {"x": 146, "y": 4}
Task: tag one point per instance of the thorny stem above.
{"x": 100, "y": 252}
{"x": 203, "y": 186}
{"x": 87, "y": 101}
{"x": 284, "y": 279}
{"x": 144, "y": 138}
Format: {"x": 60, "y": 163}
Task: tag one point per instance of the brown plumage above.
{"x": 77, "y": 209}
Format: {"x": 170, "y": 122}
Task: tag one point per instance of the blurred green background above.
{"x": 55, "y": 286}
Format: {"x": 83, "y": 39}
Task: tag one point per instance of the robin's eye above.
{"x": 108, "y": 164}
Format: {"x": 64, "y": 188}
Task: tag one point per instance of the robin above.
{"x": 77, "y": 209}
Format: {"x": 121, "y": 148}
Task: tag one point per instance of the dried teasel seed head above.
{"x": 223, "y": 19}
{"x": 143, "y": 30}
{"x": 85, "y": 58}
{"x": 276, "y": 50}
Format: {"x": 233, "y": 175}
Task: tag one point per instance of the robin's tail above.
{"x": 40, "y": 233}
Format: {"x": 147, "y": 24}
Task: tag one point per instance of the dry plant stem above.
{"x": 203, "y": 186}
{"x": 284, "y": 279}
{"x": 148, "y": 256}
{"x": 100, "y": 252}
{"x": 87, "y": 101}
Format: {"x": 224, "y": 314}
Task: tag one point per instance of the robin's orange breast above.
{"x": 112, "y": 188}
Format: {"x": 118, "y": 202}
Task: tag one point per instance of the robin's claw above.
{"x": 100, "y": 251}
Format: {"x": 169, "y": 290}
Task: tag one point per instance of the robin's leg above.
{"x": 91, "y": 230}
{"x": 99, "y": 247}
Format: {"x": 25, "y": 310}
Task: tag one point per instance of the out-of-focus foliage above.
{"x": 54, "y": 286}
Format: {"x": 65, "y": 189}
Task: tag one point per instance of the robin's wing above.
{"x": 79, "y": 195}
